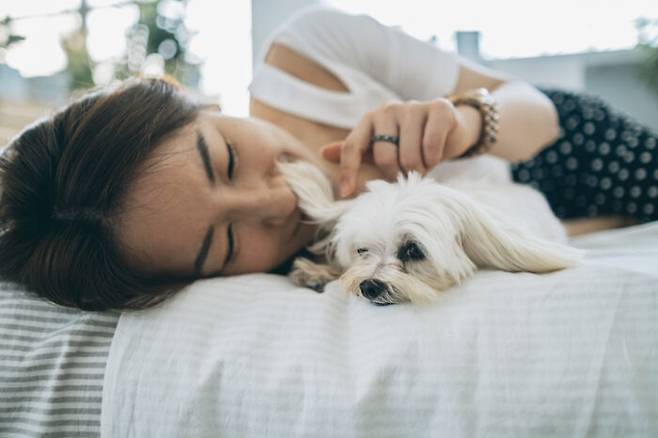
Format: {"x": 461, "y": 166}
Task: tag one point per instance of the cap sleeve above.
{"x": 411, "y": 68}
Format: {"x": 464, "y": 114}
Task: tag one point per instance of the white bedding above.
{"x": 572, "y": 353}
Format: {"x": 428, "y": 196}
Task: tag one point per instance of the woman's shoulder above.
{"x": 304, "y": 68}
{"x": 284, "y": 53}
{"x": 321, "y": 30}
{"x": 293, "y": 46}
{"x": 362, "y": 47}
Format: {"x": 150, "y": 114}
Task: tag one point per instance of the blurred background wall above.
{"x": 53, "y": 49}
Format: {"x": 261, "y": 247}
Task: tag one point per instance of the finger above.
{"x": 412, "y": 124}
{"x": 436, "y": 132}
{"x": 354, "y": 147}
{"x": 385, "y": 154}
{"x": 331, "y": 152}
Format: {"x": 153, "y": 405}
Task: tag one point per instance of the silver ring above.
{"x": 387, "y": 138}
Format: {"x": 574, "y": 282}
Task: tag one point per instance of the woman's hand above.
{"x": 429, "y": 132}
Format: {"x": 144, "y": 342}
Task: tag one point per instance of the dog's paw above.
{"x": 312, "y": 275}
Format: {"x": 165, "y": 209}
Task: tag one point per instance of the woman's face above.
{"x": 211, "y": 201}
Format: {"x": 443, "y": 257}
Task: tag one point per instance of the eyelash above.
{"x": 231, "y": 160}
{"x": 231, "y": 244}
{"x": 231, "y": 170}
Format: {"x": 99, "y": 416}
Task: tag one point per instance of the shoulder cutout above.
{"x": 301, "y": 67}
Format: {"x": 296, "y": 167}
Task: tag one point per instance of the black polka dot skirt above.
{"x": 604, "y": 163}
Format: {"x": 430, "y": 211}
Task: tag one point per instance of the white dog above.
{"x": 409, "y": 240}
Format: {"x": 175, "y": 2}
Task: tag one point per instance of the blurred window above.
{"x": 217, "y": 36}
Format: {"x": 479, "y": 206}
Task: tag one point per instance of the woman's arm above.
{"x": 435, "y": 130}
{"x": 429, "y": 127}
{"x": 528, "y": 119}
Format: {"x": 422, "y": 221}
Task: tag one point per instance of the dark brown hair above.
{"x": 63, "y": 180}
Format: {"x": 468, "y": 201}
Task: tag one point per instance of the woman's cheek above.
{"x": 259, "y": 252}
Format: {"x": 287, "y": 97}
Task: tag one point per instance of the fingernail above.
{"x": 345, "y": 187}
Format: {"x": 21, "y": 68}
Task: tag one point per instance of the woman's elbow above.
{"x": 547, "y": 129}
{"x": 553, "y": 125}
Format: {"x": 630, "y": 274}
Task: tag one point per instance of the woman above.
{"x": 127, "y": 194}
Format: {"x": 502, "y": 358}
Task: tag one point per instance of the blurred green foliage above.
{"x": 159, "y": 36}
{"x": 160, "y": 31}
{"x": 79, "y": 64}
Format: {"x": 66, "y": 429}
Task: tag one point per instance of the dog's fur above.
{"x": 409, "y": 240}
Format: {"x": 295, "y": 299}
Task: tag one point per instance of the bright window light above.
{"x": 514, "y": 28}
{"x": 223, "y": 42}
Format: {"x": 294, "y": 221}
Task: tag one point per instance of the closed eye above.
{"x": 229, "y": 252}
{"x": 230, "y": 237}
{"x": 231, "y": 160}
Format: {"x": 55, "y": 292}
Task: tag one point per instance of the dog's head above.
{"x": 401, "y": 241}
{"x": 405, "y": 241}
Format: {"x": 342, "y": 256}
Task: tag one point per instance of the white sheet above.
{"x": 573, "y": 353}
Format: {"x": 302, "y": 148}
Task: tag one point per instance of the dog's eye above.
{"x": 361, "y": 251}
{"x": 410, "y": 251}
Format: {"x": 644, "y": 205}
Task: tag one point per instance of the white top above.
{"x": 376, "y": 63}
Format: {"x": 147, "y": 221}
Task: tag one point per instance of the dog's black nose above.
{"x": 371, "y": 289}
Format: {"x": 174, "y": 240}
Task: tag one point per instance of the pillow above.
{"x": 52, "y": 364}
{"x": 570, "y": 353}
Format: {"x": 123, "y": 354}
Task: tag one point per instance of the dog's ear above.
{"x": 489, "y": 242}
{"x": 307, "y": 273}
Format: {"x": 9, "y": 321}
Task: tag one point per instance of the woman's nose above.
{"x": 272, "y": 206}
